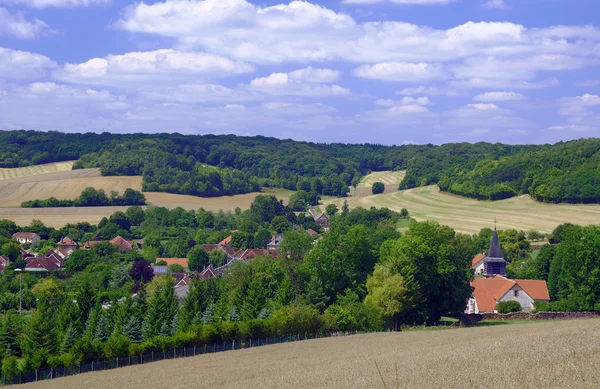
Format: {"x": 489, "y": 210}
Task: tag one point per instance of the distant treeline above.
{"x": 91, "y": 197}
{"x": 564, "y": 172}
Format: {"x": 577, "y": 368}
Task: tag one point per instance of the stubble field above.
{"x": 69, "y": 185}
{"x": 561, "y": 354}
{"x": 389, "y": 178}
{"x": 470, "y": 216}
{"x": 6, "y": 174}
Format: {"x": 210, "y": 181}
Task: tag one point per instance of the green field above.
{"x": 469, "y": 216}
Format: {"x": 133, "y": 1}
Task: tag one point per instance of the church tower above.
{"x": 494, "y": 264}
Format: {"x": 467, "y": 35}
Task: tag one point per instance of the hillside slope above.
{"x": 537, "y": 355}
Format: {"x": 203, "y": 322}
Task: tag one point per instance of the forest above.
{"x": 215, "y": 165}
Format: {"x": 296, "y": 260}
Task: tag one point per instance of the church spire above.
{"x": 495, "y": 251}
{"x": 494, "y": 264}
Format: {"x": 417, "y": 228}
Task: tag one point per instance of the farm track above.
{"x": 553, "y": 354}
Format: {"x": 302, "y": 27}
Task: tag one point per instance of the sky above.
{"x": 352, "y": 71}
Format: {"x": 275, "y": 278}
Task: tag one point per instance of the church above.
{"x": 491, "y": 286}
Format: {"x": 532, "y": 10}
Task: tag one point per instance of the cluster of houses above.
{"x": 491, "y": 287}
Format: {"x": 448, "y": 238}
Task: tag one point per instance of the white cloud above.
{"x": 498, "y": 96}
{"x": 401, "y": 2}
{"x": 151, "y": 67}
{"x": 303, "y": 82}
{"x": 484, "y": 107}
{"x": 17, "y": 26}
{"x": 400, "y": 71}
{"x": 569, "y": 128}
{"x": 57, "y": 3}
{"x": 315, "y": 75}
{"x": 16, "y": 64}
{"x": 404, "y": 101}
{"x": 497, "y": 4}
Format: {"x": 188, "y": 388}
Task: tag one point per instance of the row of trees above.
{"x": 91, "y": 197}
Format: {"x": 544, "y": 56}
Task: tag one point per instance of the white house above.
{"x": 488, "y": 292}
{"x": 26, "y": 237}
{"x": 477, "y": 264}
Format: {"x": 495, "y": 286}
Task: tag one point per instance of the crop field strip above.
{"x": 469, "y": 216}
{"x": 387, "y": 177}
{"x": 550, "y": 354}
{"x": 8, "y": 173}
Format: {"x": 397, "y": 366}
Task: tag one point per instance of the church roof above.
{"x": 495, "y": 251}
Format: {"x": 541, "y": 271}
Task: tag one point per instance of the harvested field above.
{"x": 557, "y": 354}
{"x": 469, "y": 216}
{"x": 389, "y": 178}
{"x": 62, "y": 185}
{"x": 35, "y": 170}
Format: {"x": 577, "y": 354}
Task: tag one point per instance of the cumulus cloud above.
{"x": 302, "y": 82}
{"x": 404, "y": 101}
{"x": 17, "y": 26}
{"x": 401, "y": 2}
{"x": 16, "y": 64}
{"x": 497, "y": 4}
{"x": 498, "y": 96}
{"x": 151, "y": 67}
{"x": 57, "y": 3}
{"x": 400, "y": 71}
{"x": 482, "y": 54}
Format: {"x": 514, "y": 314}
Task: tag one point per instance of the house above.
{"x": 182, "y": 288}
{"x": 26, "y": 237}
{"x": 250, "y": 254}
{"x": 175, "y": 261}
{"x": 321, "y": 219}
{"x": 50, "y": 261}
{"x": 62, "y": 252}
{"x": 208, "y": 272}
{"x": 122, "y": 244}
{"x": 477, "y": 264}
{"x": 223, "y": 247}
{"x": 312, "y": 232}
{"x": 489, "y": 291}
{"x": 67, "y": 243}
{"x": 275, "y": 242}
{"x": 4, "y": 262}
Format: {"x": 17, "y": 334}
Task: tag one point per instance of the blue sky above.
{"x": 381, "y": 71}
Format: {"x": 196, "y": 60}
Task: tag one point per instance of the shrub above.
{"x": 378, "y": 187}
{"x": 10, "y": 367}
{"x": 509, "y": 306}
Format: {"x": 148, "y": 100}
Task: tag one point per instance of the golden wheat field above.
{"x": 6, "y": 174}
{"x": 559, "y": 354}
{"x": 69, "y": 184}
{"x": 470, "y": 216}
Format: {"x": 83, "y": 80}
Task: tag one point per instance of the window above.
{"x": 516, "y": 293}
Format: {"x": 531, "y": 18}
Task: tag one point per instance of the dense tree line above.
{"x": 91, "y": 197}
{"x": 564, "y": 172}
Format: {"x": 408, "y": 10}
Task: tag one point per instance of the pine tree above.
{"x": 264, "y": 314}
{"x": 68, "y": 340}
{"x": 233, "y": 315}
{"x": 165, "y": 329}
{"x": 101, "y": 332}
{"x": 92, "y": 322}
{"x": 8, "y": 339}
{"x": 132, "y": 329}
{"x": 208, "y": 314}
{"x": 146, "y": 330}
{"x": 198, "y": 319}
{"x": 119, "y": 276}
{"x": 176, "y": 324}
{"x": 314, "y": 295}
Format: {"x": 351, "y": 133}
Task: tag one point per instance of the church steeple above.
{"x": 494, "y": 264}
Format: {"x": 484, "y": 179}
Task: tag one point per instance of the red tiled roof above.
{"x": 226, "y": 240}
{"x": 476, "y": 259}
{"x": 253, "y": 253}
{"x": 121, "y": 243}
{"x": 66, "y": 241}
{"x": 311, "y": 232}
{"x": 487, "y": 291}
{"x": 42, "y": 263}
{"x": 175, "y": 261}
{"x": 208, "y": 273}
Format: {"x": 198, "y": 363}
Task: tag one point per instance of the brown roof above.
{"x": 121, "y": 243}
{"x": 253, "y": 253}
{"x": 209, "y": 272}
{"x": 24, "y": 235}
{"x": 47, "y": 263}
{"x": 487, "y": 291}
{"x": 88, "y": 245}
{"x": 311, "y": 232}
{"x": 175, "y": 261}
{"x": 476, "y": 259}
{"x": 4, "y": 259}
{"x": 66, "y": 241}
